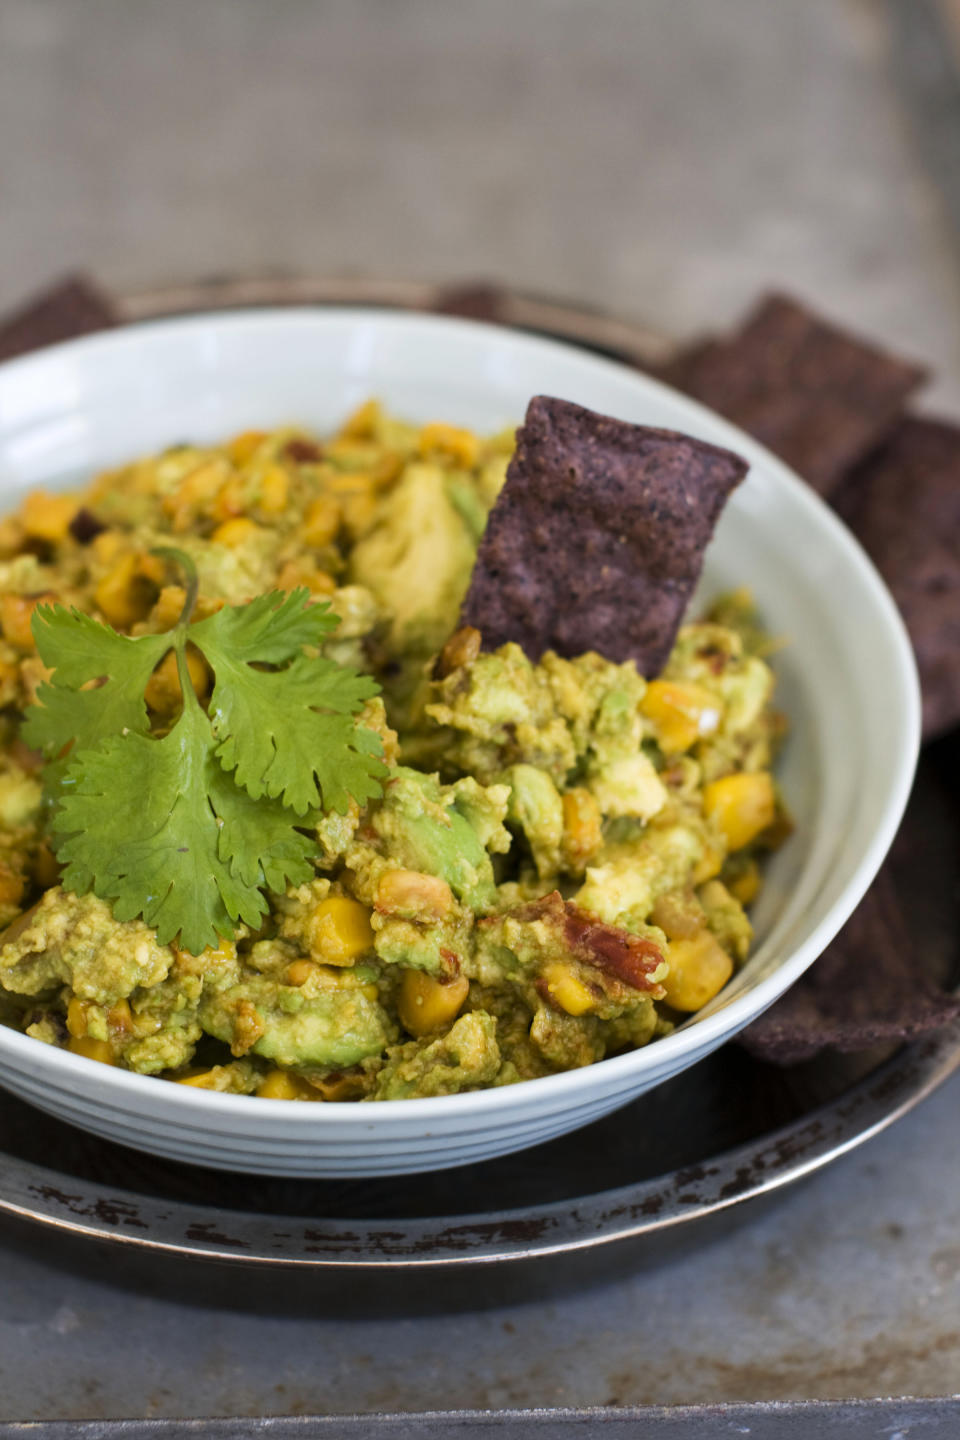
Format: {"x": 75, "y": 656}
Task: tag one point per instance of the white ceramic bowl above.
{"x": 847, "y": 681}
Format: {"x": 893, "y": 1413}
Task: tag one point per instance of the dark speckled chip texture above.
{"x": 597, "y": 539}
{"x": 820, "y": 398}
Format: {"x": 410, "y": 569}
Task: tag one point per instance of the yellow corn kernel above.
{"x": 242, "y": 446}
{"x": 99, "y": 1050}
{"x": 742, "y": 805}
{"x": 699, "y": 969}
{"x": 709, "y": 864}
{"x": 235, "y": 532}
{"x": 120, "y": 1018}
{"x": 16, "y": 614}
{"x": 582, "y": 833}
{"x": 362, "y": 424}
{"x": 281, "y": 1085}
{"x": 274, "y": 490}
{"x": 299, "y": 972}
{"x": 128, "y": 592}
{"x": 745, "y": 887}
{"x": 414, "y": 894}
{"x": 77, "y": 1018}
{"x": 425, "y": 1003}
{"x": 359, "y": 513}
{"x": 350, "y": 482}
{"x": 298, "y": 572}
{"x": 47, "y": 517}
{"x": 169, "y": 606}
{"x": 567, "y": 989}
{"x": 321, "y": 522}
{"x": 340, "y": 1087}
{"x": 163, "y": 688}
{"x": 230, "y": 499}
{"x": 678, "y": 914}
{"x": 339, "y": 930}
{"x": 461, "y": 445}
{"x": 107, "y": 545}
{"x": 681, "y": 714}
{"x": 195, "y": 493}
{"x": 199, "y": 1080}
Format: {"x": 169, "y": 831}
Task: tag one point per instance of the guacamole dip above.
{"x": 562, "y": 859}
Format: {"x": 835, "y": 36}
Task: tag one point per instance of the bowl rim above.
{"x": 695, "y": 1036}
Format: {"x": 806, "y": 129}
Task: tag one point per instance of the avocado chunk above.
{"x": 417, "y": 559}
{"x": 467, "y": 1056}
{"x": 423, "y": 827}
{"x": 335, "y": 1027}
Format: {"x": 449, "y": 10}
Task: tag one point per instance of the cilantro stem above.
{"x": 186, "y": 563}
{"x": 179, "y": 632}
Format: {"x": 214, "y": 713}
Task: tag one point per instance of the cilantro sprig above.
{"x": 188, "y": 828}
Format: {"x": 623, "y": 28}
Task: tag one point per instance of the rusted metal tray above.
{"x": 726, "y": 1132}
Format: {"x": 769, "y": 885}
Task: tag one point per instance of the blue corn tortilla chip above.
{"x": 820, "y": 398}
{"x": 597, "y": 538}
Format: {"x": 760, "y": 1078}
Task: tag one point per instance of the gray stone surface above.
{"x": 848, "y": 1287}
{"x": 668, "y": 158}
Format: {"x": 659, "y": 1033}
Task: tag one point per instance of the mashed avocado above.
{"x": 561, "y": 862}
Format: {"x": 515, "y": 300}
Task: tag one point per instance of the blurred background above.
{"x": 666, "y": 160}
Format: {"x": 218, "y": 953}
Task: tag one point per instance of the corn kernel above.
{"x": 242, "y": 446}
{"x": 412, "y": 893}
{"x": 169, "y": 607}
{"x": 47, "y": 517}
{"x": 359, "y": 513}
{"x": 297, "y": 573}
{"x": 107, "y": 545}
{"x": 299, "y": 972}
{"x": 340, "y": 1087}
{"x": 582, "y": 833}
{"x": 195, "y": 493}
{"x": 230, "y": 499}
{"x": 120, "y": 1018}
{"x": 567, "y": 990}
{"x": 163, "y": 688}
{"x": 16, "y": 615}
{"x": 742, "y": 805}
{"x": 321, "y": 522}
{"x": 678, "y": 914}
{"x": 128, "y": 592}
{"x": 681, "y": 714}
{"x": 339, "y": 930}
{"x": 199, "y": 1080}
{"x": 274, "y": 490}
{"x": 235, "y": 532}
{"x": 281, "y": 1085}
{"x": 77, "y": 1018}
{"x": 699, "y": 969}
{"x": 425, "y": 1003}
{"x": 461, "y": 445}
{"x": 709, "y": 864}
{"x": 362, "y": 424}
{"x": 98, "y": 1050}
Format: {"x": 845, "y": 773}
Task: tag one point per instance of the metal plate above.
{"x": 727, "y": 1131}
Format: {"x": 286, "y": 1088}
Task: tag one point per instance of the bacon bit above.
{"x": 629, "y": 958}
{"x": 713, "y": 656}
{"x": 85, "y": 526}
{"x": 452, "y": 962}
{"x": 304, "y": 452}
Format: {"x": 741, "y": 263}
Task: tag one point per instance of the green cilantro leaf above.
{"x": 188, "y": 829}
{"x": 288, "y": 733}
{"x": 202, "y": 849}
{"x": 79, "y": 650}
